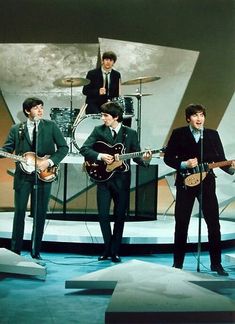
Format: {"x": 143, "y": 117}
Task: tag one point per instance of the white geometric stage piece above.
{"x": 150, "y": 293}
{"x": 11, "y": 262}
{"x": 230, "y": 257}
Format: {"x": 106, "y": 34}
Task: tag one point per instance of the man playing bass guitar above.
{"x": 45, "y": 138}
{"x": 117, "y": 186}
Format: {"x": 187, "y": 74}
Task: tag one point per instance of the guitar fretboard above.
{"x": 127, "y": 156}
{"x": 219, "y": 164}
{"x": 13, "y": 156}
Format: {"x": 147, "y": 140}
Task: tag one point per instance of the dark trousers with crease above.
{"x": 117, "y": 189}
{"x": 185, "y": 198}
{"x": 21, "y": 200}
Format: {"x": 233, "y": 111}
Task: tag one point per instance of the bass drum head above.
{"x": 84, "y": 129}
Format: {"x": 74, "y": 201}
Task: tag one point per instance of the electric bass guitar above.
{"x": 101, "y": 171}
{"x": 27, "y": 164}
{"x": 194, "y": 176}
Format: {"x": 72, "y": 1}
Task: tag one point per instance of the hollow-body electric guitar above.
{"x": 101, "y": 171}
{"x": 27, "y": 164}
{"x": 194, "y": 176}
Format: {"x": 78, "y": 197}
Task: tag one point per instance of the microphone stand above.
{"x": 35, "y": 184}
{"x": 200, "y": 203}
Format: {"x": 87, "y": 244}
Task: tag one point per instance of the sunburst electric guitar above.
{"x": 100, "y": 171}
{"x": 27, "y": 164}
{"x": 194, "y": 176}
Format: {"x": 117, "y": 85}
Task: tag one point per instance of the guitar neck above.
{"x": 127, "y": 156}
{"x": 13, "y": 156}
{"x": 219, "y": 164}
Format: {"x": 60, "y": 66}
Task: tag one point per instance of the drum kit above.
{"x": 77, "y": 125}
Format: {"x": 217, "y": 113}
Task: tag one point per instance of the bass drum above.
{"x": 127, "y": 104}
{"x": 84, "y": 129}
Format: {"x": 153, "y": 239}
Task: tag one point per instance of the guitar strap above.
{"x": 21, "y": 138}
{"x": 124, "y": 134}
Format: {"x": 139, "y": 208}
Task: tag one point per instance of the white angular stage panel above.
{"x": 230, "y": 257}
{"x": 11, "y": 262}
{"x": 149, "y": 293}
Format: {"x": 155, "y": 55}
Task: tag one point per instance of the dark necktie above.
{"x": 106, "y": 84}
{"x": 34, "y": 138}
{"x": 114, "y": 134}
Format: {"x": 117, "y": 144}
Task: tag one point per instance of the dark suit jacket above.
{"x": 126, "y": 135}
{"x": 50, "y": 142}
{"x": 93, "y": 99}
{"x": 182, "y": 146}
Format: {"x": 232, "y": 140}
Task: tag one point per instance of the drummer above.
{"x": 105, "y": 84}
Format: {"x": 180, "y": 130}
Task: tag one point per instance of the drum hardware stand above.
{"x": 139, "y": 96}
{"x": 139, "y": 105}
{"x": 71, "y": 117}
{"x": 65, "y": 83}
{"x": 71, "y": 82}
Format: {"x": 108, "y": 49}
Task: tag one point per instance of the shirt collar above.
{"x": 106, "y": 72}
{"x": 194, "y": 130}
{"x": 30, "y": 123}
{"x": 117, "y": 128}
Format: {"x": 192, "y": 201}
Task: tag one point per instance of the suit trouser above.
{"x": 185, "y": 198}
{"x": 117, "y": 188}
{"x": 21, "y": 200}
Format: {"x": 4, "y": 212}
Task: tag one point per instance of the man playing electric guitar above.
{"x": 45, "y": 138}
{"x": 117, "y": 186}
{"x": 188, "y": 148}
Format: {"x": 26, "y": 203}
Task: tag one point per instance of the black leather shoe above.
{"x": 103, "y": 257}
{"x": 116, "y": 258}
{"x": 219, "y": 269}
{"x": 177, "y": 266}
{"x": 36, "y": 256}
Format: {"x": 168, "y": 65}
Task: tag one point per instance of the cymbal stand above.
{"x": 139, "y": 103}
{"x": 71, "y": 118}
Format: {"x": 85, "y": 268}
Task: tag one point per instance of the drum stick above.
{"x": 79, "y": 116}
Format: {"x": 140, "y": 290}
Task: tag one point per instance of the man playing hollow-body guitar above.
{"x": 187, "y": 148}
{"x": 116, "y": 187}
{"x": 51, "y": 149}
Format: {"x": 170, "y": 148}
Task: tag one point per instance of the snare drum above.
{"x": 84, "y": 129}
{"x": 64, "y": 118}
{"x": 126, "y": 103}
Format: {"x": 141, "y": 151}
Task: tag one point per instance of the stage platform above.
{"x": 157, "y": 232}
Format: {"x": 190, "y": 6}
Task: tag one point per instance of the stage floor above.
{"x": 160, "y": 231}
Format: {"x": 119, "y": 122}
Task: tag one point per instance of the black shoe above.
{"x": 219, "y": 269}
{"x": 103, "y": 257}
{"x": 177, "y": 266}
{"x": 36, "y": 256}
{"x": 116, "y": 258}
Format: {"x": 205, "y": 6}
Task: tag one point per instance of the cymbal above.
{"x": 141, "y": 80}
{"x": 71, "y": 81}
{"x": 137, "y": 94}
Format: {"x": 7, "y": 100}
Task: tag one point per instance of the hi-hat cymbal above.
{"x": 141, "y": 80}
{"x": 71, "y": 81}
{"x": 137, "y": 94}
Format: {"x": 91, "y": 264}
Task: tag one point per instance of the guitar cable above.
{"x": 86, "y": 208}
